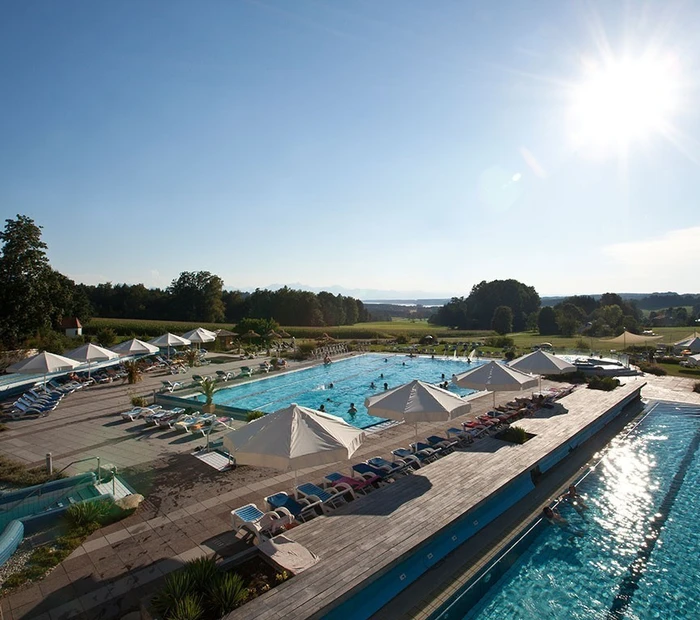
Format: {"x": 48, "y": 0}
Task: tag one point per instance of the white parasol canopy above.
{"x": 200, "y": 335}
{"x": 169, "y": 340}
{"x": 91, "y": 353}
{"x": 694, "y": 360}
{"x": 43, "y": 363}
{"x": 542, "y": 363}
{"x": 135, "y": 347}
{"x": 494, "y": 377}
{"x": 417, "y": 402}
{"x": 293, "y": 438}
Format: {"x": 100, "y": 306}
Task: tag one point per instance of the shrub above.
{"x": 402, "y": 339}
{"x": 202, "y": 573}
{"x": 17, "y": 474}
{"x": 510, "y": 355}
{"x": 514, "y": 434}
{"x": 582, "y": 345}
{"x": 696, "y": 387}
{"x": 304, "y": 350}
{"x": 177, "y": 586}
{"x": 106, "y": 336}
{"x": 253, "y": 415}
{"x": 187, "y": 608}
{"x": 138, "y": 401}
{"x": 652, "y": 369}
{"x": 606, "y": 384}
{"x": 500, "y": 342}
{"x": 226, "y": 593}
{"x": 86, "y": 513}
{"x": 207, "y": 388}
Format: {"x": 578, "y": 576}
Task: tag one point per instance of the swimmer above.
{"x": 404, "y": 363}
{"x": 573, "y": 497}
{"x": 556, "y": 519}
{"x": 372, "y": 385}
{"x": 353, "y": 410}
{"x": 386, "y": 359}
{"x": 330, "y": 386}
{"x": 443, "y": 375}
{"x": 386, "y": 386}
{"x": 322, "y": 408}
{"x": 381, "y": 376}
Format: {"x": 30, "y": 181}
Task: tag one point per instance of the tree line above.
{"x": 35, "y": 297}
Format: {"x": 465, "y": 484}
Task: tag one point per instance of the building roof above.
{"x": 71, "y": 323}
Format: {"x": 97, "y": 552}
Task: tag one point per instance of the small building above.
{"x": 72, "y": 326}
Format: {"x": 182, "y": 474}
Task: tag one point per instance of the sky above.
{"x": 406, "y": 146}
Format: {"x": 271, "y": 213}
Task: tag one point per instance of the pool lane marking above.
{"x": 630, "y": 583}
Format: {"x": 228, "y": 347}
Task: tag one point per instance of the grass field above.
{"x": 412, "y": 329}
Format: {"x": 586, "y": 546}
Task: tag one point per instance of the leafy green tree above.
{"x": 502, "y": 321}
{"x": 547, "y": 321}
{"x": 569, "y": 318}
{"x": 196, "y": 296}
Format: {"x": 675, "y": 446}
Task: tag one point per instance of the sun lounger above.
{"x": 441, "y": 442}
{"x": 329, "y": 498}
{"x": 167, "y": 417}
{"x": 140, "y": 412}
{"x": 417, "y": 459}
{"x": 195, "y": 419}
{"x": 400, "y": 468}
{"x": 224, "y": 375}
{"x": 249, "y": 520}
{"x": 364, "y": 470}
{"x": 463, "y": 437}
{"x": 301, "y": 510}
{"x": 246, "y": 371}
{"x": 363, "y": 486}
{"x": 440, "y": 451}
{"x": 19, "y": 410}
{"x": 171, "y": 386}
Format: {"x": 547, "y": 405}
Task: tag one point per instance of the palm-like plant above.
{"x": 133, "y": 372}
{"x": 207, "y": 388}
{"x": 192, "y": 357}
{"x": 226, "y": 593}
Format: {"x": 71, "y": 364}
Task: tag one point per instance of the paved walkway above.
{"x": 187, "y": 510}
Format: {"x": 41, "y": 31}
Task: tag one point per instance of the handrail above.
{"x": 41, "y": 486}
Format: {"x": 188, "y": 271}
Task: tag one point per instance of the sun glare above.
{"x": 624, "y": 101}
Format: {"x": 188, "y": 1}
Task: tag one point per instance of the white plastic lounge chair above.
{"x": 224, "y": 375}
{"x": 140, "y": 412}
{"x": 249, "y": 520}
{"x": 246, "y": 371}
{"x": 171, "y": 386}
{"x": 332, "y": 497}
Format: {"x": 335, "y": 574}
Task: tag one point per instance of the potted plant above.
{"x": 208, "y": 388}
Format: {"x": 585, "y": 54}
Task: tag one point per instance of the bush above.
{"x": 402, "y": 339}
{"x": 85, "y": 514}
{"x": 514, "y": 434}
{"x": 696, "y": 387}
{"x": 304, "y": 350}
{"x": 226, "y": 593}
{"x": 510, "y": 355}
{"x": 254, "y": 415}
{"x": 606, "y": 384}
{"x": 652, "y": 369}
{"x": 138, "y": 401}
{"x": 17, "y": 474}
{"x": 582, "y": 345}
{"x": 500, "y": 342}
{"x": 106, "y": 336}
{"x": 177, "y": 586}
{"x": 133, "y": 372}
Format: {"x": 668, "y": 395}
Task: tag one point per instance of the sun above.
{"x": 622, "y": 101}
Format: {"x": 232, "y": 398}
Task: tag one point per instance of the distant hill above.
{"x": 645, "y": 301}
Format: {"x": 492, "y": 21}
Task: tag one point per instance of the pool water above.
{"x": 638, "y": 557}
{"x": 351, "y": 379}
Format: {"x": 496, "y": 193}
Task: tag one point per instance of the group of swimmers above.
{"x": 573, "y": 498}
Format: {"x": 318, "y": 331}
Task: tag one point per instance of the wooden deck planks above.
{"x": 369, "y": 536}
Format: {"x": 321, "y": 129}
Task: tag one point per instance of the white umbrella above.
{"x": 91, "y": 353}
{"x": 200, "y": 335}
{"x": 43, "y": 363}
{"x": 694, "y": 360}
{"x": 494, "y": 377}
{"x": 293, "y": 438}
{"x": 169, "y": 340}
{"x": 135, "y": 347}
{"x": 542, "y": 363}
{"x": 417, "y": 402}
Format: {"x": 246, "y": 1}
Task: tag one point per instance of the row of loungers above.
{"x": 310, "y": 500}
{"x": 177, "y": 419}
{"x": 41, "y": 401}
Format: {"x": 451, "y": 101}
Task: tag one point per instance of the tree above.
{"x": 569, "y": 318}
{"x": 32, "y": 295}
{"x": 485, "y": 297}
{"x": 502, "y": 321}
{"x": 196, "y": 296}
{"x": 547, "y": 322}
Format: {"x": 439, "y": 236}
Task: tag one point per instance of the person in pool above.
{"x": 322, "y": 408}
{"x": 372, "y": 385}
{"x": 386, "y": 386}
{"x": 573, "y": 497}
{"x": 556, "y": 519}
{"x": 353, "y": 410}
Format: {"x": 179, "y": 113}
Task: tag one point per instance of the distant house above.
{"x": 72, "y": 326}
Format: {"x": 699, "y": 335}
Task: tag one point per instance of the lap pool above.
{"x": 351, "y": 379}
{"x": 638, "y": 555}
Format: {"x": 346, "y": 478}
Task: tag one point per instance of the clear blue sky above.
{"x": 402, "y": 145}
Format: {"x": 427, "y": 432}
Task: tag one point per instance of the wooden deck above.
{"x": 362, "y": 541}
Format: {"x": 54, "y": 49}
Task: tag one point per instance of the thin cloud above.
{"x": 674, "y": 248}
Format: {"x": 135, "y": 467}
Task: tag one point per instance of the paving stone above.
{"x": 32, "y": 594}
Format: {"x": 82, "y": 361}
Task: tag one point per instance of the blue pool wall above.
{"x": 368, "y": 598}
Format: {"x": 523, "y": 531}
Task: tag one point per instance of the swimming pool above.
{"x": 638, "y": 554}
{"x": 351, "y": 379}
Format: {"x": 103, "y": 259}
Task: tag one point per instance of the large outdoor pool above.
{"x": 351, "y": 380}
{"x": 638, "y": 554}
